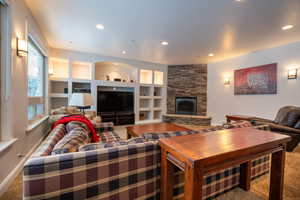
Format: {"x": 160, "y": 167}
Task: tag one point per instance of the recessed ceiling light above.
{"x": 165, "y": 43}
{"x": 123, "y": 52}
{"x": 211, "y": 54}
{"x": 239, "y": 0}
{"x": 287, "y": 27}
{"x": 100, "y": 26}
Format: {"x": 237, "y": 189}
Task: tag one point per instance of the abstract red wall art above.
{"x": 256, "y": 80}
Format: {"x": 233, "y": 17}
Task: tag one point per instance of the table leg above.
{"x": 245, "y": 175}
{"x": 277, "y": 175}
{"x": 167, "y": 177}
{"x": 193, "y": 183}
{"x": 128, "y": 135}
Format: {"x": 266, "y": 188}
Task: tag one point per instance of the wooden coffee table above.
{"x": 214, "y": 151}
{"x": 137, "y": 130}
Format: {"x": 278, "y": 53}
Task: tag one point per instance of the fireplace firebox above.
{"x": 186, "y": 105}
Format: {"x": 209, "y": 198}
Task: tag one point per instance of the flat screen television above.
{"x": 115, "y": 101}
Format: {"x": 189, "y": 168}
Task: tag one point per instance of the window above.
{"x": 36, "y": 82}
{"x": 5, "y": 73}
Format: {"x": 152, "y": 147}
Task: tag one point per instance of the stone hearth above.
{"x": 187, "y": 119}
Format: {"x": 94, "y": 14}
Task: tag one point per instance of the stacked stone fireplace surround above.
{"x": 187, "y": 81}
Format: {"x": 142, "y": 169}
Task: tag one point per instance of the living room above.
{"x": 103, "y": 100}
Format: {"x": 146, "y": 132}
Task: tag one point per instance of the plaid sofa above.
{"x": 125, "y": 171}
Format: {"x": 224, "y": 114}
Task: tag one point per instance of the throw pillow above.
{"x": 72, "y": 141}
{"x": 57, "y": 111}
{"x": 76, "y": 124}
{"x": 238, "y": 124}
{"x": 297, "y": 125}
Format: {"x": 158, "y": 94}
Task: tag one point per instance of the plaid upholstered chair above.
{"x": 120, "y": 171}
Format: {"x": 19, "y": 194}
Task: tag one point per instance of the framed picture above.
{"x": 256, "y": 80}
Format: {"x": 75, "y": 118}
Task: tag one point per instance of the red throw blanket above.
{"x": 79, "y": 118}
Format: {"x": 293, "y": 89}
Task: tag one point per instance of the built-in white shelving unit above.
{"x": 152, "y": 96}
{"x": 67, "y": 76}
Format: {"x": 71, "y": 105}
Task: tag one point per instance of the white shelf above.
{"x": 149, "y": 121}
{"x": 157, "y": 109}
{"x": 157, "y": 97}
{"x": 57, "y": 79}
{"x": 81, "y": 80}
{"x": 58, "y": 95}
{"x": 145, "y": 109}
{"x": 157, "y": 114}
{"x": 145, "y": 97}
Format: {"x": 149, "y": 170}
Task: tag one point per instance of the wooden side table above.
{"x": 230, "y": 118}
{"x": 208, "y": 154}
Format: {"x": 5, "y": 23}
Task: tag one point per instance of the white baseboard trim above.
{"x": 15, "y": 172}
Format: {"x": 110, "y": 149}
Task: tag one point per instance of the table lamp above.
{"x": 81, "y": 101}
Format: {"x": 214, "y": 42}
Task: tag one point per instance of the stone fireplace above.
{"x": 187, "y": 94}
{"x": 189, "y": 81}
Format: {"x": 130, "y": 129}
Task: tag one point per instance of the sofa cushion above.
{"x": 72, "y": 141}
{"x": 54, "y": 137}
{"x": 168, "y": 134}
{"x": 101, "y": 145}
{"x": 103, "y": 126}
{"x": 108, "y": 136}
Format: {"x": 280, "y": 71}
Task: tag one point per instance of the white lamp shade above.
{"x": 81, "y": 100}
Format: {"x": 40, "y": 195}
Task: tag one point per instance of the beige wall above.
{"x": 22, "y": 23}
{"x": 221, "y": 98}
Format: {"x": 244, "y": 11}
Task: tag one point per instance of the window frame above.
{"x": 37, "y": 100}
{"x": 5, "y": 70}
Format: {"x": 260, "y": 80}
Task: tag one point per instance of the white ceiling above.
{"x": 193, "y": 28}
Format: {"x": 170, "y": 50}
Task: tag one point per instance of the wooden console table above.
{"x": 214, "y": 151}
{"x": 137, "y": 130}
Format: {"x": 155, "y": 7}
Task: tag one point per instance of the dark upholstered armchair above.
{"x": 287, "y": 122}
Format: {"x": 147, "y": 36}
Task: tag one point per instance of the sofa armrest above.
{"x": 98, "y": 174}
{"x": 281, "y": 128}
{"x": 261, "y": 120}
{"x": 264, "y": 127}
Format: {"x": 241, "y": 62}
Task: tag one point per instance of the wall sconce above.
{"x": 21, "y": 48}
{"x": 50, "y": 71}
{"x": 292, "y": 73}
{"x": 226, "y": 81}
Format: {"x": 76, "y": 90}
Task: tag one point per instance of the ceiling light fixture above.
{"x": 123, "y": 52}
{"x": 287, "y": 27}
{"x": 211, "y": 55}
{"x": 100, "y": 26}
{"x": 164, "y": 43}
